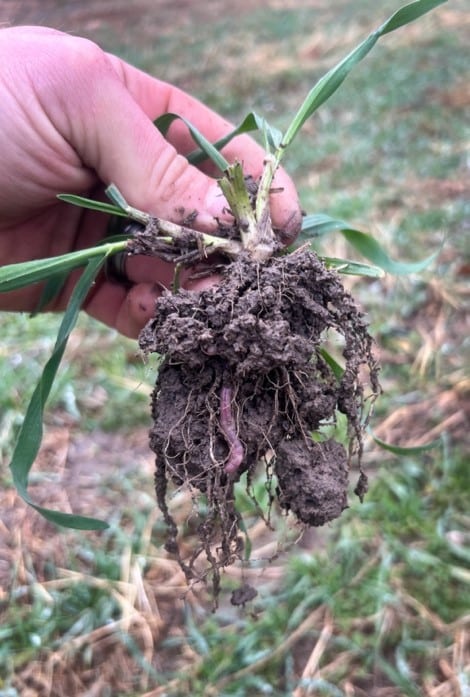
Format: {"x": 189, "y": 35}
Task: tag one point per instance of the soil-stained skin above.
{"x": 244, "y": 380}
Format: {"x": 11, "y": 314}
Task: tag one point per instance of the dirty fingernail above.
{"x": 291, "y": 229}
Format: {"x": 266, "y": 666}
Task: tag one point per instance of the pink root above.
{"x": 229, "y": 429}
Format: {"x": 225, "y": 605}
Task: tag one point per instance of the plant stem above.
{"x": 254, "y": 220}
{"x": 113, "y": 193}
{"x": 155, "y": 225}
{"x": 183, "y": 233}
{"x": 233, "y": 186}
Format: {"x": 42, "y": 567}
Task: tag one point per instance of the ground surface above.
{"x": 377, "y": 603}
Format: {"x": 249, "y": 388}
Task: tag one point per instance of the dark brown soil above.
{"x": 245, "y": 380}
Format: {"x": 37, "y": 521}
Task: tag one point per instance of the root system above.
{"x": 246, "y": 380}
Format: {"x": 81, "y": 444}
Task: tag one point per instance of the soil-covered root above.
{"x": 245, "y": 378}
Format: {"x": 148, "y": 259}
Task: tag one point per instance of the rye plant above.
{"x": 257, "y": 239}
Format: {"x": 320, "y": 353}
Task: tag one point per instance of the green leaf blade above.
{"x": 31, "y": 431}
{"x": 52, "y": 289}
{"x": 70, "y": 520}
{"x": 319, "y": 224}
{"x": 92, "y": 205}
{"x": 408, "y": 13}
{"x": 14, "y": 276}
{"x": 353, "y": 268}
{"x": 329, "y": 83}
{"x": 164, "y": 122}
{"x": 251, "y": 122}
{"x": 411, "y": 450}
{"x": 373, "y": 251}
{"x": 336, "y": 368}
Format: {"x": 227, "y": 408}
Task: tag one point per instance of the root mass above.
{"x": 246, "y": 379}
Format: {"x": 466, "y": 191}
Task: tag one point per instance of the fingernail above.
{"x": 291, "y": 229}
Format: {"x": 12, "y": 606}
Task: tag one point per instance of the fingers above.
{"x": 114, "y": 137}
{"x": 129, "y": 310}
{"x": 91, "y": 122}
{"x": 156, "y": 97}
{"x": 137, "y": 308}
{"x": 103, "y": 107}
{"x": 153, "y": 176}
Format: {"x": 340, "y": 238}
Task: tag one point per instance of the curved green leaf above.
{"x": 30, "y": 436}
{"x": 400, "y": 450}
{"x": 52, "y": 289}
{"x": 14, "y": 276}
{"x": 316, "y": 225}
{"x": 92, "y": 205}
{"x": 329, "y": 83}
{"x": 369, "y": 247}
{"x": 251, "y": 122}
{"x": 353, "y": 268}
{"x": 163, "y": 123}
{"x": 336, "y": 368}
{"x": 126, "y": 210}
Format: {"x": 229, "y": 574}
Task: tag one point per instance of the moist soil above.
{"x": 246, "y": 380}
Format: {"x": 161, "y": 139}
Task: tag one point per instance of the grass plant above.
{"x": 252, "y": 218}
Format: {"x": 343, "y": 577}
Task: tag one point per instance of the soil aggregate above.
{"x": 245, "y": 380}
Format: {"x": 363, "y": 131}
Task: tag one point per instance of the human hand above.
{"x": 73, "y": 119}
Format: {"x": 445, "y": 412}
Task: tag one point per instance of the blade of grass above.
{"x": 371, "y": 249}
{"x": 30, "y": 435}
{"x": 353, "y": 268}
{"x": 51, "y": 290}
{"x": 404, "y": 683}
{"x": 163, "y": 123}
{"x": 248, "y": 543}
{"x": 54, "y": 285}
{"x": 14, "y": 276}
{"x": 128, "y": 211}
{"x": 101, "y": 206}
{"x": 329, "y": 83}
{"x": 251, "y": 122}
{"x": 337, "y": 369}
{"x": 319, "y": 224}
{"x": 400, "y": 450}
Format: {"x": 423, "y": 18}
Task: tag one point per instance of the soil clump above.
{"x": 245, "y": 379}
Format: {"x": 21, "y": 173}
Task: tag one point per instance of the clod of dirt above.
{"x": 246, "y": 379}
{"x": 243, "y": 595}
{"x": 313, "y": 479}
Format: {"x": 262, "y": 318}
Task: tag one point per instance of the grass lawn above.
{"x": 378, "y": 603}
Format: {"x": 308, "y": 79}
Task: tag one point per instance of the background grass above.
{"x": 376, "y": 604}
